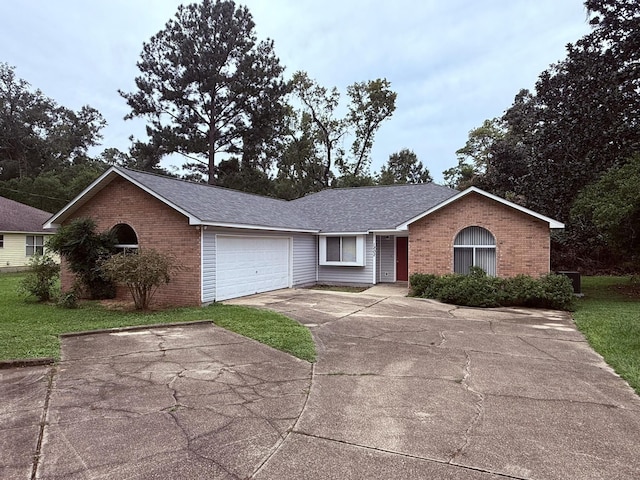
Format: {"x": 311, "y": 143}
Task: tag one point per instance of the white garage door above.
{"x": 248, "y": 265}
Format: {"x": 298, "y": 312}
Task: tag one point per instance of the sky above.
{"x": 453, "y": 63}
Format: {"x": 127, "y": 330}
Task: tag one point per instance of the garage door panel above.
{"x": 248, "y": 265}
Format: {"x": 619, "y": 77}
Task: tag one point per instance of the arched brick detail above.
{"x": 158, "y": 226}
{"x": 522, "y": 241}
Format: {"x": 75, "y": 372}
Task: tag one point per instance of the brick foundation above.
{"x": 522, "y": 241}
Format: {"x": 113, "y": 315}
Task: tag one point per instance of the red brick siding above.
{"x": 522, "y": 241}
{"x": 157, "y": 226}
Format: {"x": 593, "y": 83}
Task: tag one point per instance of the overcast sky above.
{"x": 453, "y": 63}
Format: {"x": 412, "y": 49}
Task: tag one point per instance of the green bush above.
{"x": 68, "y": 300}
{"x": 84, "y": 250}
{"x": 43, "y": 275}
{"x": 480, "y": 290}
{"x": 142, "y": 272}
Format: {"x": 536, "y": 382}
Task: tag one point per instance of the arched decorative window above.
{"x": 474, "y": 246}
{"x": 126, "y": 238}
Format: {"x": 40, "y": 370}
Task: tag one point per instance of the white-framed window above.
{"x": 1, "y": 241}
{"x": 35, "y": 245}
{"x": 126, "y": 238}
{"x": 342, "y": 250}
{"x": 474, "y": 246}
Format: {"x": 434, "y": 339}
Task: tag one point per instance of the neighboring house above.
{"x": 233, "y": 244}
{"x": 21, "y": 234}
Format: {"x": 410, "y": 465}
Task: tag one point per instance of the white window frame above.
{"x": 38, "y": 249}
{"x": 360, "y": 247}
{"x": 1, "y": 240}
{"x": 474, "y": 247}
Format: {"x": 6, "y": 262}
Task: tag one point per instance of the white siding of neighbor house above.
{"x": 386, "y": 257}
{"x": 13, "y": 254}
{"x": 351, "y": 275}
{"x": 304, "y": 254}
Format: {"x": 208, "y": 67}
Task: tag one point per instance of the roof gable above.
{"x": 18, "y": 217}
{"x": 552, "y": 223}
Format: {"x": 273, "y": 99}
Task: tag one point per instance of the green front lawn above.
{"x": 29, "y": 329}
{"x": 609, "y": 316}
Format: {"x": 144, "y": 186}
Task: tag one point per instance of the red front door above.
{"x": 402, "y": 259}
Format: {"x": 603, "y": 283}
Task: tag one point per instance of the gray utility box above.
{"x": 575, "y": 280}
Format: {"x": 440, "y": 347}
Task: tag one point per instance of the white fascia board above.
{"x": 553, "y": 224}
{"x": 388, "y": 231}
{"x": 341, "y": 234}
{"x": 251, "y": 227}
{"x": 24, "y": 232}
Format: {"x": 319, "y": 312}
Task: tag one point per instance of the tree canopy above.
{"x": 208, "y": 86}
{"x": 556, "y": 145}
{"x": 38, "y": 135}
{"x": 404, "y": 167}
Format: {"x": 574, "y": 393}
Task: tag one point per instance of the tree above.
{"x": 612, "y": 205}
{"x": 404, "y": 167}
{"x": 52, "y": 190}
{"x": 475, "y": 156}
{"x": 36, "y": 134}
{"x": 582, "y": 119}
{"x": 300, "y": 166}
{"x": 84, "y": 250}
{"x": 372, "y": 103}
{"x": 321, "y": 103}
{"x": 142, "y": 272}
{"x": 207, "y": 86}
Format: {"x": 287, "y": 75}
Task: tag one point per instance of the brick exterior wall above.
{"x": 522, "y": 241}
{"x": 157, "y": 226}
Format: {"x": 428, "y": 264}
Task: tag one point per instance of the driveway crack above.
{"x": 43, "y": 423}
{"x": 293, "y": 428}
{"x": 479, "y": 407}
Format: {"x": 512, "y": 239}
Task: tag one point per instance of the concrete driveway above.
{"x": 403, "y": 388}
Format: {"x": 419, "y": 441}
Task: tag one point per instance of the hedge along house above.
{"x": 234, "y": 244}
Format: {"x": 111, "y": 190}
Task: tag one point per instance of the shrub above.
{"x": 142, "y": 272}
{"x": 557, "y": 292}
{"x": 41, "y": 279}
{"x": 421, "y": 284}
{"x": 479, "y": 290}
{"x": 84, "y": 250}
{"x": 68, "y": 300}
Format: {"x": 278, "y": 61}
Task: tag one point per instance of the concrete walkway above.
{"x": 403, "y": 388}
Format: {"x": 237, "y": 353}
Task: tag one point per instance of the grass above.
{"x": 609, "y": 316}
{"x": 29, "y": 329}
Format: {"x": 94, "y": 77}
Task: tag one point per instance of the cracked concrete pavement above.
{"x": 403, "y": 388}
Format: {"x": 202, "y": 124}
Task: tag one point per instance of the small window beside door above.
{"x": 474, "y": 246}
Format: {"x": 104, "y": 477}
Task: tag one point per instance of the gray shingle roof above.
{"x": 335, "y": 210}
{"x": 212, "y": 204}
{"x": 363, "y": 209}
{"x": 18, "y": 217}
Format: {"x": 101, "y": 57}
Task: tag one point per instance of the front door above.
{"x": 402, "y": 259}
